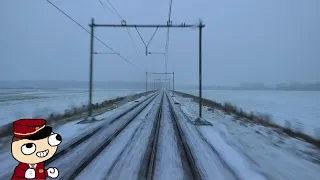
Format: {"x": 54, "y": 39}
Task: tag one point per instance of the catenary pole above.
{"x": 91, "y": 67}
{"x": 200, "y": 70}
{"x": 173, "y": 85}
{"x": 146, "y": 82}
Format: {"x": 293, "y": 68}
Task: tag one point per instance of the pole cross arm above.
{"x": 156, "y": 53}
{"x": 168, "y": 25}
{"x": 182, "y": 25}
{"x": 105, "y": 53}
{"x": 159, "y": 73}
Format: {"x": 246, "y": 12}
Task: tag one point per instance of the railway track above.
{"x": 154, "y": 141}
{"x": 86, "y": 160}
{"x": 188, "y": 165}
{"x": 157, "y": 146}
{"x": 149, "y": 153}
{"x": 85, "y": 137}
{"x": 77, "y": 142}
{"x": 190, "y": 160}
{"x": 216, "y": 167}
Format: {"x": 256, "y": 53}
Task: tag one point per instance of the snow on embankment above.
{"x": 23, "y": 103}
{"x": 255, "y": 118}
{"x": 68, "y": 114}
{"x": 298, "y": 110}
{"x": 230, "y": 155}
{"x": 248, "y": 146}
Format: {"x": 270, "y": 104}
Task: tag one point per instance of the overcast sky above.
{"x": 270, "y": 41}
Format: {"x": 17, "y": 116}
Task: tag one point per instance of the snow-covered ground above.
{"x": 208, "y": 160}
{"x": 168, "y": 164}
{"x": 300, "y": 108}
{"x": 127, "y": 162}
{"x": 23, "y": 103}
{"x": 249, "y": 149}
{"x": 84, "y": 150}
{"x": 227, "y": 150}
{"x": 68, "y": 131}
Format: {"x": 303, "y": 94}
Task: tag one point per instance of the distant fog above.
{"x": 141, "y": 85}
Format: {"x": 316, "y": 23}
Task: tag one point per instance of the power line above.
{"x": 132, "y": 40}
{"x": 90, "y": 33}
{"x": 146, "y": 45}
{"x": 134, "y": 44}
{"x": 118, "y": 15}
{"x": 115, "y": 10}
{"x": 129, "y": 33}
{"x": 106, "y": 7}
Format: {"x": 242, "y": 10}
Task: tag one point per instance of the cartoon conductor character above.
{"x": 33, "y": 143}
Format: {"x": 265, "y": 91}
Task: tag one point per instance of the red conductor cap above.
{"x": 24, "y": 128}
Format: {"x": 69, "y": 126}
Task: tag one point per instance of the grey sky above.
{"x": 244, "y": 41}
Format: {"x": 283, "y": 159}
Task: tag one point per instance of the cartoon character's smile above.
{"x": 42, "y": 154}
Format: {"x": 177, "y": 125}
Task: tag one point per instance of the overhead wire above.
{"x": 107, "y": 8}
{"x": 115, "y": 10}
{"x": 129, "y": 33}
{"x": 93, "y": 36}
{"x": 134, "y": 44}
{"x": 146, "y": 45}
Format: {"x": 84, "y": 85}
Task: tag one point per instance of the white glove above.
{"x": 53, "y": 172}
{"x": 30, "y": 174}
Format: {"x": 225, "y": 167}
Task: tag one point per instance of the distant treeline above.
{"x": 69, "y": 85}
{"x": 142, "y": 85}
{"x": 258, "y": 86}
{"x": 301, "y": 87}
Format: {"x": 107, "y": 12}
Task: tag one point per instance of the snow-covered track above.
{"x": 209, "y": 163}
{"x": 154, "y": 139}
{"x": 86, "y": 136}
{"x": 104, "y": 143}
{"x": 190, "y": 161}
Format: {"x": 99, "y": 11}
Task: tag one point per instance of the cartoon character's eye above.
{"x": 28, "y": 148}
{"x": 54, "y": 140}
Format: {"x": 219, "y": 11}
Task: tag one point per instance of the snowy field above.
{"x": 227, "y": 150}
{"x": 300, "y": 108}
{"x": 23, "y": 103}
{"x": 249, "y": 149}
